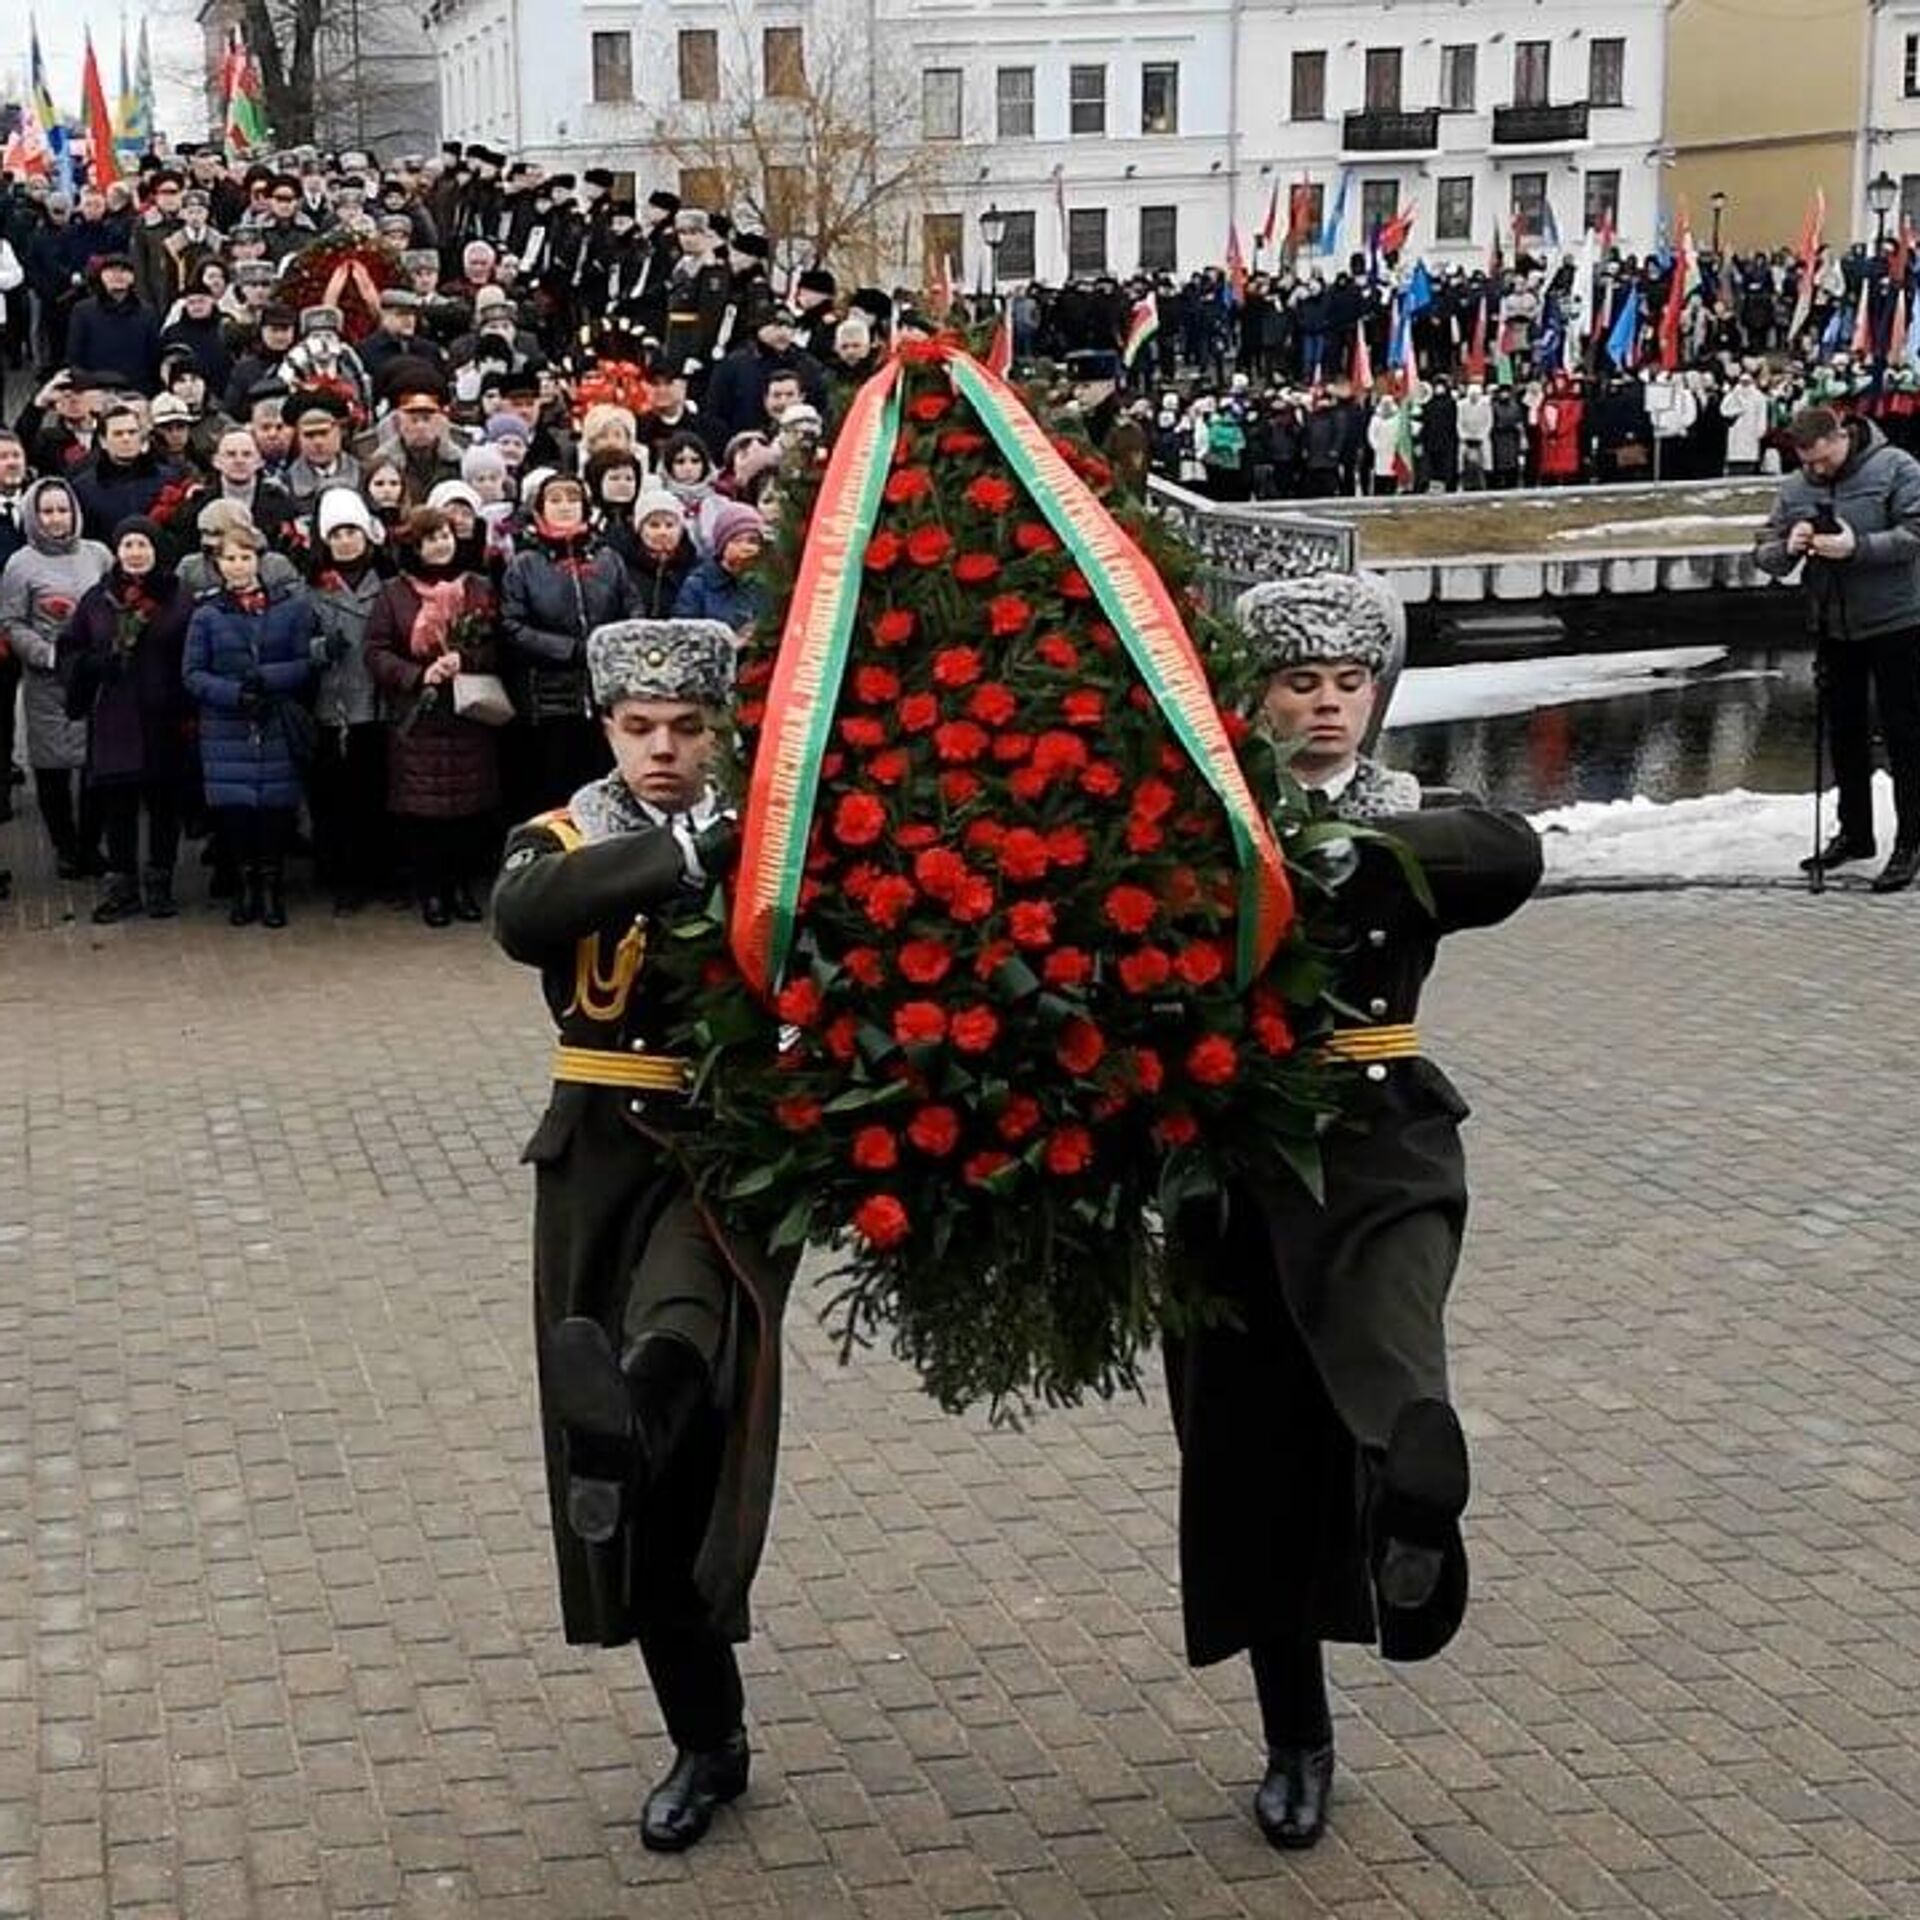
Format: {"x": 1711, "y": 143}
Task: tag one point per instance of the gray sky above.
{"x": 173, "y": 34}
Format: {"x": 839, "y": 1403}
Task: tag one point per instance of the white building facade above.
{"x": 1890, "y": 138}
{"x": 1120, "y": 137}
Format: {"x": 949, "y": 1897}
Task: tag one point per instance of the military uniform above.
{"x": 1322, "y": 1469}
{"x": 657, "y": 1530}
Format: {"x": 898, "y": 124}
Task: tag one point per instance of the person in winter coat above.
{"x": 718, "y": 588}
{"x": 111, "y": 332}
{"x": 347, "y": 783}
{"x": 1475, "y": 420}
{"x": 1383, "y": 443}
{"x": 198, "y": 329}
{"x": 123, "y": 479}
{"x": 1744, "y": 409}
{"x": 120, "y": 656}
{"x": 561, "y": 585}
{"x": 249, "y": 663}
{"x": 1440, "y": 436}
{"x": 1509, "y": 438}
{"x": 435, "y": 621}
{"x": 1562, "y": 425}
{"x": 659, "y": 556}
{"x": 42, "y": 585}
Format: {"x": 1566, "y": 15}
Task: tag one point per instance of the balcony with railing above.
{"x": 1379, "y": 132}
{"x": 1540, "y": 126}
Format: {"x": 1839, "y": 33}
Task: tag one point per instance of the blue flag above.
{"x": 1623, "y": 343}
{"x": 1419, "y": 294}
{"x": 1337, "y": 218}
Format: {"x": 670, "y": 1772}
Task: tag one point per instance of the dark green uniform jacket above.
{"x": 1341, "y": 1304}
{"x": 607, "y": 1180}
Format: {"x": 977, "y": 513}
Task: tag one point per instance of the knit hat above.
{"x": 221, "y": 516}
{"x": 341, "y": 507}
{"x": 453, "y": 493}
{"x": 507, "y": 426}
{"x": 531, "y": 484}
{"x": 661, "y": 660}
{"x": 1320, "y": 617}
{"x": 658, "y": 500}
{"x": 734, "y": 518}
{"x": 479, "y": 463}
{"x": 140, "y": 524}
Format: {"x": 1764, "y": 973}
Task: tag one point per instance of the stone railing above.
{"x": 1239, "y": 545}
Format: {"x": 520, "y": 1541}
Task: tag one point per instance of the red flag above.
{"x": 1477, "y": 346}
{"x": 1394, "y": 233}
{"x": 1264, "y": 237}
{"x": 1236, "y": 263}
{"x": 1685, "y": 278}
{"x": 1809, "y": 258}
{"x": 93, "y": 100}
{"x": 1862, "y": 342}
{"x": 1362, "y": 373}
{"x": 1000, "y": 348}
{"x": 1301, "y": 224}
{"x": 1897, "y": 339}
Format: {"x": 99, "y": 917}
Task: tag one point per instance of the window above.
{"x": 1602, "y": 200}
{"x": 1606, "y": 73}
{"x": 1086, "y": 99}
{"x": 1309, "y": 97}
{"x": 785, "y": 203}
{"x": 699, "y": 64}
{"x": 703, "y": 187}
{"x": 1383, "y": 79}
{"x": 1532, "y": 60}
{"x": 1159, "y": 239}
{"x": 613, "y": 66}
{"x": 1459, "y": 69}
{"x": 1087, "y": 240}
{"x": 783, "y": 56}
{"x": 1160, "y": 97}
{"x": 1013, "y": 103}
{"x": 943, "y": 239}
{"x": 1910, "y": 197}
{"x": 1453, "y": 209}
{"x": 1015, "y": 260}
{"x": 1379, "y": 202}
{"x": 940, "y": 103}
{"x": 1529, "y": 205}
{"x": 1910, "y": 73}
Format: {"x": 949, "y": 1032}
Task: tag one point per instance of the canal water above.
{"x": 1745, "y": 720}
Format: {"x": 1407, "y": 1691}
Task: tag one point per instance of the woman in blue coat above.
{"x": 248, "y": 664}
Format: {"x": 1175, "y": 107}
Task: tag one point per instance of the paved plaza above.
{"x": 277, "y": 1633}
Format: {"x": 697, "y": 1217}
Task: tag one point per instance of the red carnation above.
{"x": 1214, "y": 1061}
{"x": 1073, "y": 583}
{"x": 883, "y": 551}
{"x": 990, "y": 493}
{"x": 798, "y": 1003}
{"x": 1029, "y": 784}
{"x": 960, "y": 442}
{"x": 906, "y": 485}
{"x": 1271, "y": 1032}
{"x": 888, "y": 900}
{"x": 888, "y": 768}
{"x": 1067, "y": 847}
{"x": 894, "y": 628}
{"x": 913, "y": 838}
{"x": 863, "y": 731}
{"x": 1084, "y": 707}
{"x": 831, "y": 764}
{"x": 1032, "y": 536}
{"x": 1069, "y": 1151}
{"x": 1130, "y": 909}
{"x": 874, "y": 685}
{"x": 979, "y": 1168}
{"x": 974, "y": 1029}
{"x": 1018, "y": 1118}
{"x": 957, "y": 786}
{"x": 928, "y": 546}
{"x": 1145, "y": 969}
{"x": 1152, "y": 799}
{"x": 1172, "y": 760}
{"x": 1238, "y": 727}
{"x": 1181, "y": 891}
{"x": 960, "y": 741}
{"x": 858, "y": 820}
{"x": 983, "y": 836}
{"x": 975, "y": 569}
{"x": 1101, "y": 780}
{"x": 1200, "y": 963}
{"x": 756, "y": 673}
{"x": 798, "y": 1112}
{"x": 1007, "y": 614}
{"x": 1102, "y": 635}
{"x": 1010, "y": 748}
{"x": 919, "y": 1023}
{"x": 1140, "y": 698}
{"x": 1176, "y": 1129}
{"x": 1149, "y": 1074}
{"x": 919, "y": 712}
{"x": 1142, "y": 836}
{"x": 1059, "y": 752}
{"x": 924, "y": 961}
{"x": 972, "y": 900}
{"x": 935, "y": 1131}
{"x": 866, "y": 965}
{"x": 992, "y": 704}
{"x": 956, "y": 666}
{"x": 991, "y": 958}
{"x": 750, "y": 713}
{"x": 939, "y": 871}
{"x": 1058, "y": 651}
{"x": 875, "y": 1150}
{"x": 881, "y": 1222}
{"x": 1023, "y": 854}
{"x": 838, "y": 1038}
{"x": 1031, "y": 923}
{"x": 1067, "y": 967}
{"x": 928, "y": 407}
{"x": 1080, "y": 1047}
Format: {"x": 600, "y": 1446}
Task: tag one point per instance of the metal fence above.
{"x": 1239, "y": 545}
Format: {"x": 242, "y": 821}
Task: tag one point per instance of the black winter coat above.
{"x": 552, "y": 596}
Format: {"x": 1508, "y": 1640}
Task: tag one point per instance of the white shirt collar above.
{"x": 1335, "y": 784}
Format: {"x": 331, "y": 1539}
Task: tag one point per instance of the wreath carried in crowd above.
{"x": 1014, "y": 973}
{"x": 346, "y": 271}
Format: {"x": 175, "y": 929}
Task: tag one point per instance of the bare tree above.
{"x": 821, "y": 147}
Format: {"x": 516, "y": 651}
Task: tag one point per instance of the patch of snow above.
{"x": 1672, "y": 523}
{"x": 1477, "y": 691}
{"x": 1741, "y": 836}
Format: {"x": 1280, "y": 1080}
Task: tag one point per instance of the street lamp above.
{"x": 993, "y": 232}
{"x": 1718, "y": 202}
{"x": 1882, "y": 191}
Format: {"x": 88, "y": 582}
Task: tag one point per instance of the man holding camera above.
{"x": 1852, "y": 514}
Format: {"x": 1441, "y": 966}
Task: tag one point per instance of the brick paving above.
{"x": 276, "y": 1632}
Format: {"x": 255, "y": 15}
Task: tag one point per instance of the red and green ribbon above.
{"x": 817, "y": 637}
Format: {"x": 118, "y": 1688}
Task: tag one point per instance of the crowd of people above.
{"x": 327, "y": 470}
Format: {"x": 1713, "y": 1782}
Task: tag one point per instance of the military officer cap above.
{"x": 1320, "y": 618}
{"x": 416, "y": 259}
{"x": 661, "y": 660}
{"x": 320, "y": 320}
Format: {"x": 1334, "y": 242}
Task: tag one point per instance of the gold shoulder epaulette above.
{"x": 559, "y": 823}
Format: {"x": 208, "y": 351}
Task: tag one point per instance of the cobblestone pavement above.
{"x": 276, "y": 1631}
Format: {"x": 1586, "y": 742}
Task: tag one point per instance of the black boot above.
{"x": 1292, "y": 1802}
{"x": 119, "y": 899}
{"x": 273, "y": 897}
{"x": 681, "y": 1808}
{"x": 246, "y": 908}
{"x": 1416, "y": 1555}
{"x": 159, "y": 894}
{"x": 433, "y": 910}
{"x": 1840, "y": 851}
{"x": 464, "y": 906}
{"x": 1901, "y": 870}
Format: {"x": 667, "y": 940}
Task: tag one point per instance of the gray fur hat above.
{"x": 320, "y": 320}
{"x": 1320, "y": 617}
{"x": 662, "y": 660}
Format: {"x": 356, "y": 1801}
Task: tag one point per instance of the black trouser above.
{"x": 347, "y": 792}
{"x": 1891, "y": 662}
{"x": 255, "y": 837}
{"x": 75, "y": 832}
{"x": 122, "y": 804}
{"x": 446, "y": 854}
{"x": 1290, "y": 1679}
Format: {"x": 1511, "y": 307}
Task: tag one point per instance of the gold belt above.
{"x": 649, "y": 1072}
{"x": 1372, "y": 1043}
